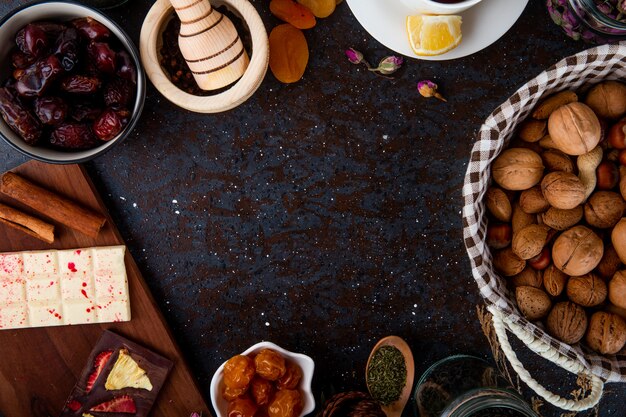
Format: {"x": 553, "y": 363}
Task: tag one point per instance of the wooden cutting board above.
{"x": 39, "y": 366}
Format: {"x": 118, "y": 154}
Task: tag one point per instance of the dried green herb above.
{"x": 386, "y": 375}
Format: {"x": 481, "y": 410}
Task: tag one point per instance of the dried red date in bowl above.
{"x": 68, "y": 82}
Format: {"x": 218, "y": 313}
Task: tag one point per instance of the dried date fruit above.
{"x": 261, "y": 390}
{"x": 32, "y": 40}
{"x": 66, "y": 48}
{"x": 292, "y": 12}
{"x": 80, "y": 84}
{"x": 102, "y": 56}
{"x": 108, "y": 125}
{"x": 37, "y": 78}
{"x": 126, "y": 67}
{"x": 20, "y": 60}
{"x": 51, "y": 111}
{"x": 83, "y": 112}
{"x": 91, "y": 29}
{"x": 73, "y": 136}
{"x": 289, "y": 53}
{"x": 292, "y": 377}
{"x": 118, "y": 93}
{"x": 286, "y": 403}
{"x": 124, "y": 116}
{"x": 242, "y": 407}
{"x": 270, "y": 364}
{"x": 18, "y": 118}
{"x": 238, "y": 372}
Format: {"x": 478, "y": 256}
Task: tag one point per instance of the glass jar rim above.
{"x": 592, "y": 10}
{"x": 480, "y": 399}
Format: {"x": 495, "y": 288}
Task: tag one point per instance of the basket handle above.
{"x": 543, "y": 349}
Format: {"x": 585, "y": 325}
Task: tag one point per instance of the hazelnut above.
{"x": 498, "y": 204}
{"x": 528, "y": 242}
{"x": 618, "y": 238}
{"x": 532, "y": 200}
{"x": 554, "y": 280}
{"x": 559, "y": 219}
{"x": 567, "y": 322}
{"x": 607, "y": 175}
{"x": 617, "y": 135}
{"x": 617, "y": 289}
{"x": 555, "y": 160}
{"x": 517, "y": 169}
{"x": 574, "y": 128}
{"x": 608, "y": 99}
{"x": 529, "y": 277}
{"x": 609, "y": 264}
{"x": 508, "y": 263}
{"x": 563, "y": 190}
{"x": 542, "y": 260}
{"x": 553, "y": 102}
{"x": 577, "y": 251}
{"x": 531, "y": 130}
{"x": 588, "y": 290}
{"x": 532, "y": 302}
{"x": 521, "y": 219}
{"x": 499, "y": 235}
{"x": 606, "y": 333}
{"x": 604, "y": 209}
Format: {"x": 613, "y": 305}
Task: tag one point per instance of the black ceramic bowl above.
{"x": 64, "y": 11}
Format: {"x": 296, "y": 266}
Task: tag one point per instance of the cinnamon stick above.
{"x": 27, "y": 224}
{"x": 52, "y": 205}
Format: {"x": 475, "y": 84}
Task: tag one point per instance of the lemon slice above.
{"x": 433, "y": 35}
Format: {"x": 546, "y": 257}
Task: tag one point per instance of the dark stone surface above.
{"x": 322, "y": 215}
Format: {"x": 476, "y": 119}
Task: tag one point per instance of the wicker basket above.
{"x": 607, "y": 62}
{"x": 352, "y": 404}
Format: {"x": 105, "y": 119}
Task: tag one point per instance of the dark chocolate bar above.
{"x": 133, "y": 375}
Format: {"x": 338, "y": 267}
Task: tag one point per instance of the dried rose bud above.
{"x": 354, "y": 56}
{"x": 428, "y": 88}
{"x": 389, "y": 65}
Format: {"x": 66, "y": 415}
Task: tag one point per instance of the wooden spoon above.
{"x": 395, "y": 408}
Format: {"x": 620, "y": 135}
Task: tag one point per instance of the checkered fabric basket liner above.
{"x": 607, "y": 62}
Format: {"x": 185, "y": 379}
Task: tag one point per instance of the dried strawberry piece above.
{"x": 73, "y": 405}
{"x": 121, "y": 404}
{"x": 98, "y": 365}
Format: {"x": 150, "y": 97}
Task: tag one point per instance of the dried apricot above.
{"x": 238, "y": 372}
{"x": 292, "y": 12}
{"x": 270, "y": 364}
{"x": 289, "y": 53}
{"x": 320, "y": 8}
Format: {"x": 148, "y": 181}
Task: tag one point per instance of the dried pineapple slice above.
{"x": 126, "y": 373}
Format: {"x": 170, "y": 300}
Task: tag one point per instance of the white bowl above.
{"x": 63, "y": 11}
{"x": 435, "y": 7}
{"x": 306, "y": 364}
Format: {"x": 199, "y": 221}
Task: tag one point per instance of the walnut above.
{"x": 559, "y": 219}
{"x": 617, "y": 289}
{"x": 528, "y": 242}
{"x": 555, "y": 160}
{"x": 588, "y": 290}
{"x": 520, "y": 218}
{"x": 563, "y": 190}
{"x": 532, "y": 302}
{"x": 577, "y": 251}
{"x": 498, "y": 204}
{"x": 554, "y": 280}
{"x": 609, "y": 264}
{"x": 606, "y": 333}
{"x": 567, "y": 322}
{"x": 618, "y": 238}
{"x": 529, "y": 277}
{"x": 517, "y": 169}
{"x": 608, "y": 99}
{"x": 604, "y": 209}
{"x": 508, "y": 263}
{"x": 532, "y": 201}
{"x": 574, "y": 128}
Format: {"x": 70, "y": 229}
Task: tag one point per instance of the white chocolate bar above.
{"x": 58, "y": 287}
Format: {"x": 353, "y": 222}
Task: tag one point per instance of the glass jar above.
{"x": 596, "y": 21}
{"x": 467, "y": 386}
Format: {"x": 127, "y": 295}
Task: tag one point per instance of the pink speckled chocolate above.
{"x": 53, "y": 288}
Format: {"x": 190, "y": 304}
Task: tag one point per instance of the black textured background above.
{"x": 322, "y": 215}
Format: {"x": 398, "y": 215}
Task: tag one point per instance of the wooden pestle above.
{"x": 210, "y": 44}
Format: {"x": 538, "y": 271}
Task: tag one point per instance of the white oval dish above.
{"x": 220, "y": 405}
